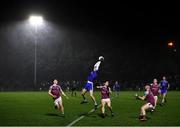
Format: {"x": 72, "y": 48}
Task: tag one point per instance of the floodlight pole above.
{"x": 35, "y": 56}
{"x": 35, "y": 21}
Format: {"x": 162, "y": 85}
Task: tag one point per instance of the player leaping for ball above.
{"x": 89, "y": 85}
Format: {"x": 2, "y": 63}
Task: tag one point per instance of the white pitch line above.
{"x": 75, "y": 121}
{"x": 81, "y": 117}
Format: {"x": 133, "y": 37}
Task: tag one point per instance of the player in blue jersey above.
{"x": 164, "y": 86}
{"x": 90, "y": 80}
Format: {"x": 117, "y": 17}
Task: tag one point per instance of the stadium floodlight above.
{"x": 36, "y": 20}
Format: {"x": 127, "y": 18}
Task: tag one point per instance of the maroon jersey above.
{"x": 55, "y": 90}
{"x": 155, "y": 89}
{"x": 150, "y": 97}
{"x": 105, "y": 92}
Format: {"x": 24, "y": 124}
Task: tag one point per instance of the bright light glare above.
{"x": 36, "y": 20}
{"x": 170, "y": 44}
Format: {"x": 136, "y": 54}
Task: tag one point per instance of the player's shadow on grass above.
{"x": 53, "y": 114}
{"x": 100, "y": 115}
{"x": 136, "y": 117}
{"x": 106, "y": 115}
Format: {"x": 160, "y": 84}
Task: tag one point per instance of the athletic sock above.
{"x": 83, "y": 97}
{"x": 112, "y": 114}
{"x": 103, "y": 115}
{"x": 110, "y": 110}
{"x": 95, "y": 106}
{"x": 56, "y": 107}
{"x": 143, "y": 118}
{"x": 95, "y": 103}
{"x": 140, "y": 116}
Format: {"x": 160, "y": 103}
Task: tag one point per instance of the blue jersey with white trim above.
{"x": 92, "y": 76}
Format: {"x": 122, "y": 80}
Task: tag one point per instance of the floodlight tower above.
{"x": 35, "y": 21}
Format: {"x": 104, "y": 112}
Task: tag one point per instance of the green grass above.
{"x": 36, "y": 108}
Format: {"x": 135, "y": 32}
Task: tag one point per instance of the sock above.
{"x": 110, "y": 110}
{"x": 144, "y": 117}
{"x": 83, "y": 97}
{"x": 140, "y": 116}
{"x": 103, "y": 115}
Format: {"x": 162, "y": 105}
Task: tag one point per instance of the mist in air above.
{"x": 69, "y": 53}
{"x": 62, "y": 52}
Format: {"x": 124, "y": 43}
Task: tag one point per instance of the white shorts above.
{"x": 156, "y": 97}
{"x": 58, "y": 101}
{"x": 107, "y": 100}
{"x": 150, "y": 105}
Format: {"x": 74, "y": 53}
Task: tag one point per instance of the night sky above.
{"x": 132, "y": 37}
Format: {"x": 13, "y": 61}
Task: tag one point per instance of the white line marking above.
{"x": 72, "y": 123}
{"x": 81, "y": 117}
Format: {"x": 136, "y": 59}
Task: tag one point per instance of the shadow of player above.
{"x": 53, "y": 114}
{"x": 106, "y": 115}
{"x": 137, "y": 117}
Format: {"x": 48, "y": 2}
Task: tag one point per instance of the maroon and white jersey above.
{"x": 104, "y": 92}
{"x": 155, "y": 89}
{"x": 150, "y": 97}
{"x": 55, "y": 90}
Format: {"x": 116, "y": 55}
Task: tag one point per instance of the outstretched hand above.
{"x": 136, "y": 96}
{"x": 67, "y": 97}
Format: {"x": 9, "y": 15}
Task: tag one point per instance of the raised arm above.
{"x": 96, "y": 66}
